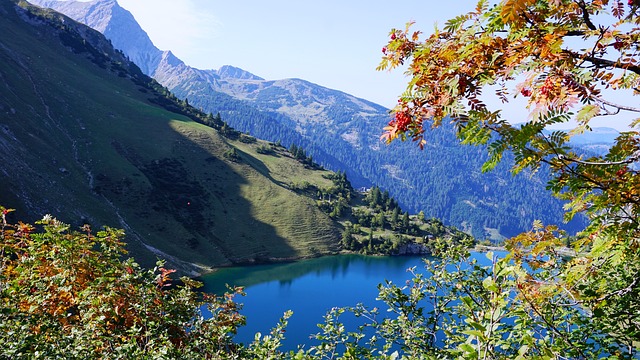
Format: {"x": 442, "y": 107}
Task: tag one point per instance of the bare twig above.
{"x": 617, "y": 106}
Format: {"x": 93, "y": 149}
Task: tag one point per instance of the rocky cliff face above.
{"x": 117, "y": 24}
{"x": 232, "y": 72}
{"x": 414, "y": 249}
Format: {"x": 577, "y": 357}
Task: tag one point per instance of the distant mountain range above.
{"x": 597, "y": 136}
{"x": 341, "y": 132}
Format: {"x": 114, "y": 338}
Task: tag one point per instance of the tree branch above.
{"x": 630, "y": 160}
{"x": 585, "y": 15}
{"x": 599, "y": 62}
{"x": 620, "y": 292}
{"x": 575, "y": 33}
{"x": 617, "y": 106}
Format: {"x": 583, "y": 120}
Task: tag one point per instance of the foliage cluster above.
{"x": 410, "y": 236}
{"x": 337, "y": 199}
{"x": 573, "y": 62}
{"x": 232, "y": 155}
{"x": 68, "y": 294}
{"x": 301, "y": 155}
{"x": 265, "y": 149}
{"x": 362, "y": 214}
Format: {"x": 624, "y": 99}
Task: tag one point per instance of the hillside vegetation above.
{"x": 83, "y": 135}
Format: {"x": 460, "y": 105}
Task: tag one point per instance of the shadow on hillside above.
{"x": 89, "y": 144}
{"x": 202, "y": 193}
{"x": 260, "y": 167}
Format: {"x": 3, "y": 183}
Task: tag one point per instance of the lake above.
{"x": 310, "y": 288}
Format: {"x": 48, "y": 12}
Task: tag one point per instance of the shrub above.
{"x": 70, "y": 294}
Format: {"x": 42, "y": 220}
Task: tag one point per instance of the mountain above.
{"x": 87, "y": 137}
{"x": 115, "y": 23}
{"x": 342, "y": 132}
{"x": 597, "y": 141}
{"x": 597, "y": 136}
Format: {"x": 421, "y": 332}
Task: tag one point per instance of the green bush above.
{"x": 70, "y": 294}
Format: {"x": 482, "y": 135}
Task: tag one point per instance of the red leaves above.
{"x": 618, "y": 45}
{"x": 5, "y": 211}
{"x": 400, "y": 46}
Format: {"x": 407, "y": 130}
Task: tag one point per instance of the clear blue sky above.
{"x": 334, "y": 43}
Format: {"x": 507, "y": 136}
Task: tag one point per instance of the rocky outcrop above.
{"x": 232, "y": 72}
{"x": 117, "y": 24}
{"x": 413, "y": 249}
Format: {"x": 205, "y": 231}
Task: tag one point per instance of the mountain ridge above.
{"x": 341, "y": 131}
{"x": 87, "y": 137}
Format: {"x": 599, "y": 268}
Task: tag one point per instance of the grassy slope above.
{"x": 83, "y": 143}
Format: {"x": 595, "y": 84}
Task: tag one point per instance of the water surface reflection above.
{"x": 309, "y": 288}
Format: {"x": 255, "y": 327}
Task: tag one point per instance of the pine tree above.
{"x": 405, "y": 221}
{"x": 394, "y": 216}
{"x": 347, "y": 237}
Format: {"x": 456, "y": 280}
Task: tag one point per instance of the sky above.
{"x": 333, "y": 43}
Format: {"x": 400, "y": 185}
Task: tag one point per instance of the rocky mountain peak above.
{"x": 116, "y": 23}
{"x": 170, "y": 59}
{"x": 232, "y": 72}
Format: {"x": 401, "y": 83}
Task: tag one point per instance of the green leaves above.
{"x": 70, "y": 294}
{"x": 456, "y": 23}
{"x": 489, "y": 284}
{"x": 587, "y": 113}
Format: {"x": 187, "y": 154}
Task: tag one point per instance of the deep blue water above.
{"x": 310, "y": 288}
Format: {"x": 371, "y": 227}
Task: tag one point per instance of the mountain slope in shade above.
{"x": 81, "y": 137}
{"x": 342, "y": 132}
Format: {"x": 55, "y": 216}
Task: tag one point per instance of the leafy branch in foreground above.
{"x": 68, "y": 294}
{"x": 521, "y": 48}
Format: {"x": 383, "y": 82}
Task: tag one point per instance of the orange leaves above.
{"x": 513, "y": 11}
{"x": 617, "y": 9}
{"x": 499, "y": 44}
{"x": 65, "y": 290}
{"x": 401, "y": 45}
{"x": 163, "y": 279}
